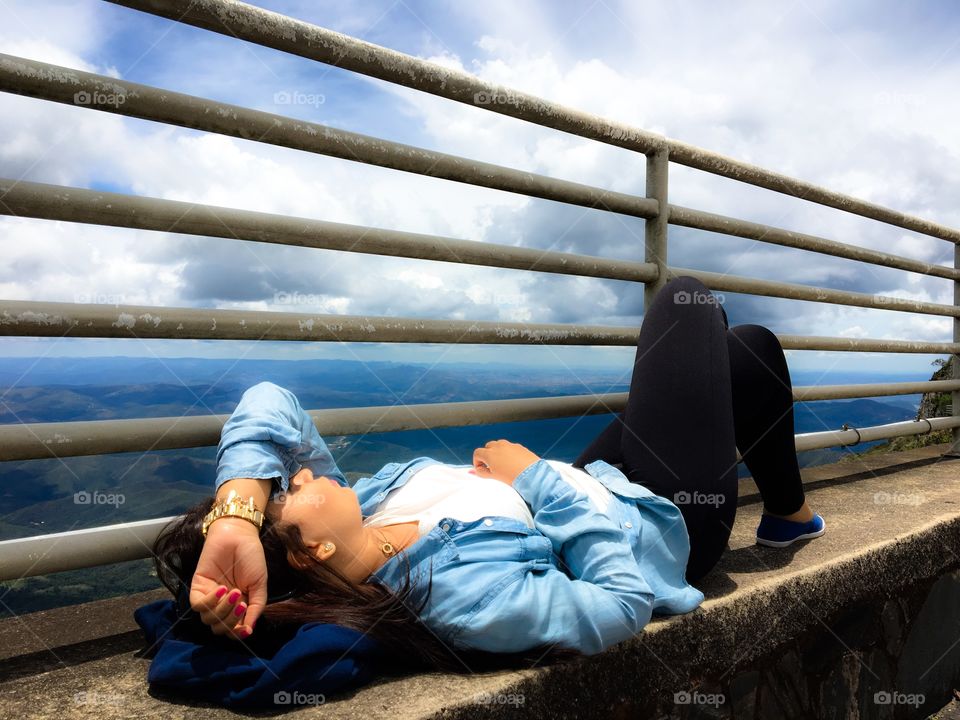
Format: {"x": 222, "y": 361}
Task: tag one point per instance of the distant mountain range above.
{"x": 38, "y": 496}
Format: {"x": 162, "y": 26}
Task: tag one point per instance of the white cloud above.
{"x": 854, "y": 331}
{"x": 800, "y": 90}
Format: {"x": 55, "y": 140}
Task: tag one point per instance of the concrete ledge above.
{"x": 893, "y": 530}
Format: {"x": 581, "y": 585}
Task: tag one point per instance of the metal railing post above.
{"x": 954, "y": 449}
{"x": 655, "y": 230}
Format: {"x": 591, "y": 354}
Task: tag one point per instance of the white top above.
{"x": 585, "y": 483}
{"x": 439, "y": 491}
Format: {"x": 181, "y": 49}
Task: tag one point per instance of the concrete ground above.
{"x": 948, "y": 712}
{"x": 890, "y": 517}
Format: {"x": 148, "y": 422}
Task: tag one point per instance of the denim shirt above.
{"x": 580, "y": 578}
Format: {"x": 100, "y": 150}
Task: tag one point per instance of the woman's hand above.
{"x": 230, "y": 583}
{"x": 502, "y": 460}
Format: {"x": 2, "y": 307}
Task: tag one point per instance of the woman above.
{"x": 514, "y": 553}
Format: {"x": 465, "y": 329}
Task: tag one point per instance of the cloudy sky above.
{"x": 858, "y": 96}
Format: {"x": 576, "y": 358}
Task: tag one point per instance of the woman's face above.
{"x": 323, "y": 510}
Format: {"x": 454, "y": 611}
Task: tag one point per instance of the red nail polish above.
{"x": 234, "y": 596}
{"x": 238, "y": 611}
{"x": 221, "y": 591}
{"x": 244, "y": 633}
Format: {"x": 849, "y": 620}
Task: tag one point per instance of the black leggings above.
{"x": 699, "y": 391}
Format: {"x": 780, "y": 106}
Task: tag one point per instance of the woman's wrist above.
{"x": 232, "y": 525}
{"x": 245, "y": 488}
{"x": 258, "y": 489}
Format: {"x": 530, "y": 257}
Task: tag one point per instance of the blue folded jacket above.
{"x": 274, "y": 667}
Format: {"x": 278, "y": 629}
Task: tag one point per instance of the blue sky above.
{"x": 857, "y": 96}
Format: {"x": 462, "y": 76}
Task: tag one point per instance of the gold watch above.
{"x": 233, "y": 506}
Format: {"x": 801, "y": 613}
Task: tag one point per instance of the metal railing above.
{"x": 44, "y": 554}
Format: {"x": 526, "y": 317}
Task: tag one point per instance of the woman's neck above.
{"x": 371, "y": 555}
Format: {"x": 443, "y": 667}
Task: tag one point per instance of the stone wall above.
{"x": 896, "y": 657}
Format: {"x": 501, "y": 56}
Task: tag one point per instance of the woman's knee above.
{"x": 688, "y": 290}
{"x": 756, "y": 337}
{"x": 685, "y": 284}
{"x": 755, "y": 350}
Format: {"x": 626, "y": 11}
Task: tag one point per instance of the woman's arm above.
{"x": 229, "y": 586}
{"x": 541, "y": 606}
{"x": 603, "y": 600}
{"x": 270, "y": 436}
{"x": 266, "y": 439}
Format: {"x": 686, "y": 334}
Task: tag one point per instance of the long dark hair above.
{"x": 302, "y": 589}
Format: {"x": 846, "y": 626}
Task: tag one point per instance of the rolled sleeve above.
{"x": 270, "y": 436}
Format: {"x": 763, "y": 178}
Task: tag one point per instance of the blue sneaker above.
{"x": 777, "y": 532}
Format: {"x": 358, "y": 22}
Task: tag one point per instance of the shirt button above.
{"x": 628, "y": 524}
{"x": 488, "y": 522}
{"x": 445, "y": 526}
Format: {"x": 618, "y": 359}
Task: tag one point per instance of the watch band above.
{"x": 233, "y": 506}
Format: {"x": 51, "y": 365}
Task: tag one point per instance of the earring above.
{"x": 328, "y": 546}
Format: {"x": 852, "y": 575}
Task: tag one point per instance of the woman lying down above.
{"x": 513, "y": 553}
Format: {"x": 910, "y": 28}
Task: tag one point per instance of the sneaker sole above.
{"x": 785, "y": 543}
